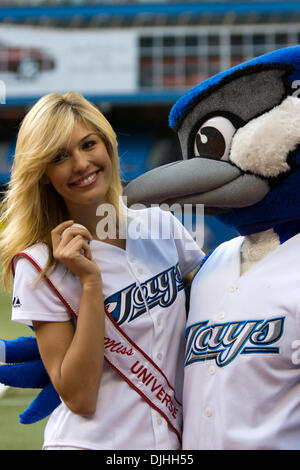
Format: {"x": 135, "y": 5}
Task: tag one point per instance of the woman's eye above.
{"x": 59, "y": 157}
{"x": 88, "y": 144}
{"x": 214, "y": 138}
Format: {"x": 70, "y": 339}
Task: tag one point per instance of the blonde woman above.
{"x": 66, "y": 167}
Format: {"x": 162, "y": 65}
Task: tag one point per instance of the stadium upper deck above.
{"x": 91, "y": 13}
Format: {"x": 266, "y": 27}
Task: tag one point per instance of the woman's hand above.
{"x": 71, "y": 248}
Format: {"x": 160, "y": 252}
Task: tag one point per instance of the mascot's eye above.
{"x": 214, "y": 138}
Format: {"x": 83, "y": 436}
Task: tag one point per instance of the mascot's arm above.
{"x": 188, "y": 279}
{"x": 202, "y": 262}
{"x": 24, "y": 368}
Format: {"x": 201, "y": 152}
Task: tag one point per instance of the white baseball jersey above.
{"x": 242, "y": 363}
{"x": 144, "y": 293}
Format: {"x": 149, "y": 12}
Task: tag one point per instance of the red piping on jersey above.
{"x": 47, "y": 280}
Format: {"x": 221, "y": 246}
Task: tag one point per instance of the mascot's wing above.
{"x": 46, "y": 402}
{"x": 24, "y": 368}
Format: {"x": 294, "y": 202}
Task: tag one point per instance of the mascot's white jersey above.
{"x": 242, "y": 364}
{"x": 144, "y": 293}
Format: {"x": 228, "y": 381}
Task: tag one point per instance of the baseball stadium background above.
{"x": 133, "y": 59}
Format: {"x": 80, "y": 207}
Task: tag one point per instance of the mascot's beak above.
{"x": 223, "y": 186}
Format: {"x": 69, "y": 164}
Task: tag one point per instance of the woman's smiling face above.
{"x": 81, "y": 172}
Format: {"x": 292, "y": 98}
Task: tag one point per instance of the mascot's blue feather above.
{"x": 26, "y": 344}
{"x": 42, "y": 405}
{"x": 25, "y": 369}
{"x": 30, "y": 374}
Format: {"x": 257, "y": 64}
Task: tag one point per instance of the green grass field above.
{"x": 13, "y": 435}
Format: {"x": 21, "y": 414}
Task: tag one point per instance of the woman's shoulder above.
{"x": 31, "y": 259}
{"x": 38, "y": 253}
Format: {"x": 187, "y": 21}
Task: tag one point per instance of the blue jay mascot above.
{"x": 239, "y": 133}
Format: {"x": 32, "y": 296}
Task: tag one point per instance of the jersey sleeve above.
{"x": 32, "y": 302}
{"x": 190, "y": 254}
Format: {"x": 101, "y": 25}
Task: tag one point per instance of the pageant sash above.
{"x": 131, "y": 363}
{"x": 141, "y": 373}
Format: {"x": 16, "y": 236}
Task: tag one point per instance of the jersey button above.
{"x": 208, "y": 412}
{"x": 211, "y": 370}
{"x": 232, "y": 288}
{"x": 159, "y": 356}
{"x": 159, "y": 421}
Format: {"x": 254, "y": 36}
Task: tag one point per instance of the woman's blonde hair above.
{"x": 32, "y": 209}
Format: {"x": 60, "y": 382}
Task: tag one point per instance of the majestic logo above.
{"x": 222, "y": 342}
{"x": 131, "y": 302}
{"x": 16, "y": 302}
